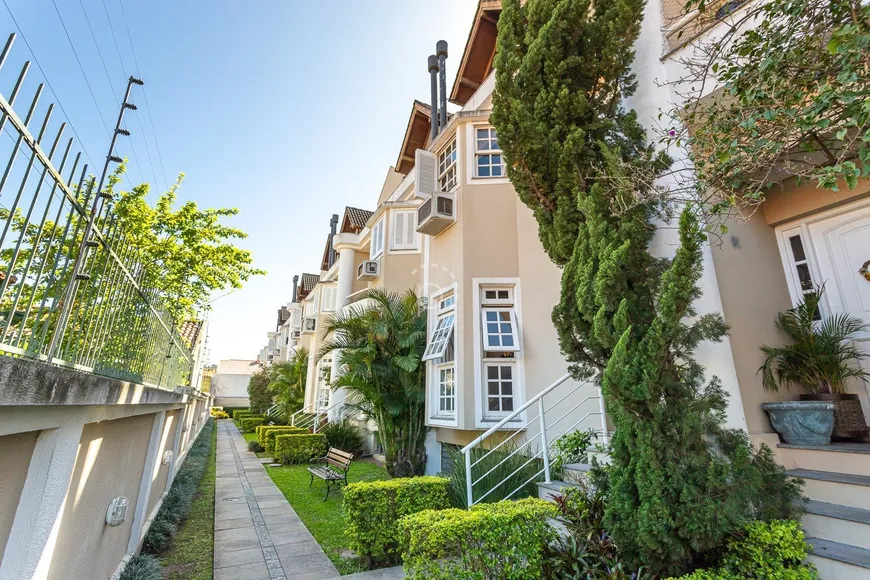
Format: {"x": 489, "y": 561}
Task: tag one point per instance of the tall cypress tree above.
{"x": 680, "y": 483}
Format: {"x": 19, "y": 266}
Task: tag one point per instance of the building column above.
{"x": 34, "y": 531}
{"x": 346, "y": 274}
{"x": 152, "y": 463}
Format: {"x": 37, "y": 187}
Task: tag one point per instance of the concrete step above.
{"x": 836, "y": 561}
{"x": 840, "y": 488}
{"x": 838, "y": 523}
{"x": 576, "y": 472}
{"x": 545, "y": 490}
{"x": 845, "y": 458}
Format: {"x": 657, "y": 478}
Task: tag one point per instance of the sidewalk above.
{"x": 257, "y": 534}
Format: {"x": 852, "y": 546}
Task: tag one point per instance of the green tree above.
{"x": 258, "y": 390}
{"x": 680, "y": 484}
{"x": 288, "y": 383}
{"x": 381, "y": 349}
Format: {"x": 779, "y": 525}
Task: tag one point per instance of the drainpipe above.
{"x": 441, "y": 51}
{"x": 295, "y": 286}
{"x": 333, "y": 225}
{"x": 433, "y": 81}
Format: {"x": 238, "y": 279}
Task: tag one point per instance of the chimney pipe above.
{"x": 433, "y": 77}
{"x": 295, "y": 286}
{"x": 333, "y": 224}
{"x": 441, "y": 51}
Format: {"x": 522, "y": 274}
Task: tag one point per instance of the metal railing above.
{"x": 573, "y": 399}
{"x": 74, "y": 287}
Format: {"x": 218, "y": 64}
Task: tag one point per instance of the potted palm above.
{"x": 821, "y": 360}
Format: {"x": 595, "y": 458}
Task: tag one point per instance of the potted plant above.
{"x": 820, "y": 360}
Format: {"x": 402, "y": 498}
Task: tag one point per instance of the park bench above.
{"x": 331, "y": 468}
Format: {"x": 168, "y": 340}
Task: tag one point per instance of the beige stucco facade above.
{"x": 15, "y": 453}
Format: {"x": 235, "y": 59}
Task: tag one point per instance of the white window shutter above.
{"x": 411, "y": 232}
{"x": 399, "y": 230}
{"x": 425, "y": 173}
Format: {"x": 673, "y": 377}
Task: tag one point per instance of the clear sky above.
{"x": 287, "y": 110}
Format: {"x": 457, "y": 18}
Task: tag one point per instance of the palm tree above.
{"x": 288, "y": 383}
{"x": 381, "y": 349}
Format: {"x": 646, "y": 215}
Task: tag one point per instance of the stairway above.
{"x": 837, "y": 519}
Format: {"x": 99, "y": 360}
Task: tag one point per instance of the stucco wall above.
{"x": 161, "y": 473}
{"x": 230, "y": 386}
{"x": 15, "y": 453}
{"x": 793, "y": 202}
{"x": 109, "y": 463}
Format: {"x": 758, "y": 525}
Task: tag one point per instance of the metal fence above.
{"x": 74, "y": 288}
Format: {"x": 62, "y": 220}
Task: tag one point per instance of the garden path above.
{"x": 257, "y": 534}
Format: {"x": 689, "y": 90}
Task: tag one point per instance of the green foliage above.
{"x": 255, "y": 447}
{"x": 266, "y": 435}
{"x": 586, "y": 550}
{"x": 142, "y": 567}
{"x": 194, "y": 253}
{"x": 287, "y": 384}
{"x": 176, "y": 504}
{"x": 238, "y": 414}
{"x": 381, "y": 346}
{"x": 822, "y": 357}
{"x": 770, "y": 550}
{"x": 504, "y": 540}
{"x": 795, "y": 100}
{"x": 299, "y": 448}
{"x": 249, "y": 423}
{"x": 219, "y": 414}
{"x": 570, "y": 448}
{"x": 374, "y": 509}
{"x": 345, "y": 435}
{"x": 258, "y": 390}
{"x": 502, "y": 471}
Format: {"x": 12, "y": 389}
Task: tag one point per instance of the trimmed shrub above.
{"x": 774, "y": 550}
{"x": 255, "y": 447}
{"x": 238, "y": 414}
{"x": 219, "y": 413}
{"x": 299, "y": 448}
{"x": 176, "y": 504}
{"x": 374, "y": 508}
{"x": 248, "y": 424}
{"x": 261, "y": 431}
{"x": 271, "y": 431}
{"x": 345, "y": 435}
{"x": 504, "y": 540}
{"x": 142, "y": 567}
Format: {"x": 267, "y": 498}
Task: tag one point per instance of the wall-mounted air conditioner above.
{"x": 308, "y": 325}
{"x": 295, "y": 333}
{"x": 436, "y": 214}
{"x": 368, "y": 270}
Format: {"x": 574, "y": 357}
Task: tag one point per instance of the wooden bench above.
{"x": 332, "y": 469}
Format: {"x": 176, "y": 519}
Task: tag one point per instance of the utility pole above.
{"x": 97, "y": 207}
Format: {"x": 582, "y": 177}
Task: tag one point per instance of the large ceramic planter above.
{"x": 802, "y": 422}
{"x": 849, "y": 422}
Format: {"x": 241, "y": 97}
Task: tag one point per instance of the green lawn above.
{"x": 190, "y": 557}
{"x": 324, "y": 519}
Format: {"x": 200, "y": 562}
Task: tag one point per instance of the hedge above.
{"x": 238, "y": 414}
{"x": 266, "y": 434}
{"x": 299, "y": 448}
{"x": 503, "y": 540}
{"x": 373, "y": 510}
{"x": 767, "y": 550}
{"x": 142, "y": 567}
{"x": 248, "y": 424}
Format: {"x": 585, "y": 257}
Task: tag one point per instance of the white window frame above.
{"x": 445, "y": 400}
{"x": 446, "y": 166}
{"x": 440, "y": 337}
{"x": 443, "y": 302}
{"x": 376, "y": 246}
{"x": 500, "y": 380}
{"x": 410, "y": 239}
{"x": 483, "y": 418}
{"x": 479, "y": 153}
{"x": 486, "y": 334}
{"x": 322, "y": 385}
{"x": 329, "y": 294}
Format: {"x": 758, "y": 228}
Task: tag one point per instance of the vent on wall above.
{"x": 436, "y": 214}
{"x": 368, "y": 270}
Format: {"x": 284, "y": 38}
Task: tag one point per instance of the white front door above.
{"x": 840, "y": 247}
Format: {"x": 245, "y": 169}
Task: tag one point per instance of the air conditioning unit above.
{"x": 368, "y": 270}
{"x": 309, "y": 324}
{"x": 295, "y": 333}
{"x": 436, "y": 214}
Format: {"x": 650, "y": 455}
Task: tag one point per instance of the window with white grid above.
{"x": 324, "y": 368}
{"x": 499, "y": 388}
{"x": 440, "y": 336}
{"x": 499, "y": 330}
{"x": 403, "y": 228}
{"x": 447, "y": 168}
{"x": 488, "y": 159}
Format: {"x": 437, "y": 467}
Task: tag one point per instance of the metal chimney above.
{"x": 433, "y": 76}
{"x": 333, "y": 224}
{"x": 441, "y": 51}
{"x": 295, "y": 286}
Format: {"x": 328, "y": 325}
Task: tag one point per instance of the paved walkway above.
{"x": 257, "y": 534}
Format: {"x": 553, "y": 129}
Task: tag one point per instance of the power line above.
{"x": 114, "y": 39}
{"x": 48, "y": 82}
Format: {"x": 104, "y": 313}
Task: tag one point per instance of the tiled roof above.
{"x": 309, "y": 281}
{"x": 357, "y": 217}
{"x": 189, "y": 331}
{"x": 237, "y": 367}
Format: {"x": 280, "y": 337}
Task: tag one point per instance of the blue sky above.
{"x": 287, "y": 110}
